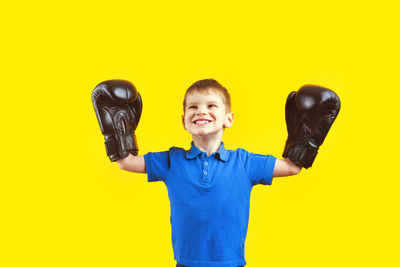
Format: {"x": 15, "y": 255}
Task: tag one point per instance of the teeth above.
{"x": 201, "y": 122}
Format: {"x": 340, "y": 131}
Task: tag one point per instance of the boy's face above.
{"x": 205, "y": 114}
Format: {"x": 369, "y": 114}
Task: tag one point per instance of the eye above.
{"x": 191, "y": 107}
{"x": 212, "y": 106}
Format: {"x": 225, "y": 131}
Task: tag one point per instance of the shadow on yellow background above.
{"x": 64, "y": 204}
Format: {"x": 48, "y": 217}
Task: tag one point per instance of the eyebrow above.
{"x": 210, "y": 102}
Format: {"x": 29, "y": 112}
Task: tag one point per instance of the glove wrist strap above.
{"x": 119, "y": 147}
{"x": 301, "y": 152}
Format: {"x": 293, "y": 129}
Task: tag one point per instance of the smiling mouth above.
{"x": 201, "y": 122}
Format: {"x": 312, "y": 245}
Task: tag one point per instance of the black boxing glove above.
{"x": 118, "y": 107}
{"x": 310, "y": 113}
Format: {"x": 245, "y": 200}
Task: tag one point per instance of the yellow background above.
{"x": 64, "y": 204}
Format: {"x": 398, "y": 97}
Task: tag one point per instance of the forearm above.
{"x": 285, "y": 167}
{"x": 132, "y": 163}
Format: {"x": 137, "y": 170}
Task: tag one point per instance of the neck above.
{"x": 207, "y": 144}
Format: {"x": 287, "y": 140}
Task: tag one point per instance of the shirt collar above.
{"x": 221, "y": 154}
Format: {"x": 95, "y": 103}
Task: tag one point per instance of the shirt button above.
{"x": 205, "y": 172}
{"x": 206, "y": 163}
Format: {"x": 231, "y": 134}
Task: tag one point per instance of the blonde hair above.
{"x": 207, "y": 85}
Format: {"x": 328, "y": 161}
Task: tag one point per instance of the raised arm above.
{"x": 132, "y": 164}
{"x": 285, "y": 168}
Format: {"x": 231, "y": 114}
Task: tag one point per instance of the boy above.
{"x": 208, "y": 186}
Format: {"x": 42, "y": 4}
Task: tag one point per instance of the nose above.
{"x": 201, "y": 110}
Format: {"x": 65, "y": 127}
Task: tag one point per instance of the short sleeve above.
{"x": 157, "y": 165}
{"x": 260, "y": 168}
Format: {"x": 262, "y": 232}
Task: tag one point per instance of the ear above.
{"x": 228, "y": 120}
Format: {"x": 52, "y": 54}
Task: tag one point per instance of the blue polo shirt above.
{"x": 210, "y": 200}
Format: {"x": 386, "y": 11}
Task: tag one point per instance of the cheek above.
{"x": 187, "y": 120}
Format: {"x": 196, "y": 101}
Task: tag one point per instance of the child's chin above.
{"x": 199, "y": 133}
